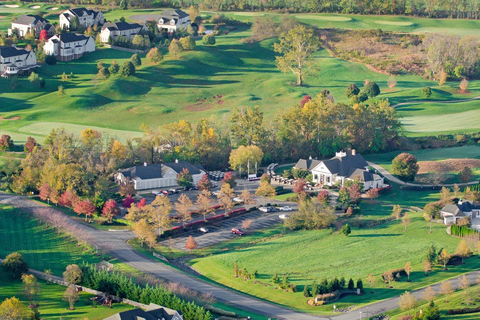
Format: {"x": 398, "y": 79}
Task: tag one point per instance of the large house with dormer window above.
{"x": 69, "y": 46}
{"x": 346, "y": 165}
{"x": 114, "y": 30}
{"x": 452, "y": 213}
{"x": 86, "y": 18}
{"x": 27, "y": 23}
{"x": 16, "y": 61}
{"x": 173, "y": 20}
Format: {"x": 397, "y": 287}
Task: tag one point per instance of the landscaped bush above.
{"x": 464, "y": 310}
{"x": 462, "y": 231}
{"x": 395, "y": 272}
{"x": 124, "y": 287}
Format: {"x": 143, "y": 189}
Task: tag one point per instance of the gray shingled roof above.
{"x": 156, "y": 171}
{"x": 7, "y": 52}
{"x": 72, "y": 37}
{"x": 307, "y": 164}
{"x": 175, "y": 14}
{"x": 453, "y": 209}
{"x": 343, "y": 166}
{"x": 363, "y": 175}
{"x": 27, "y": 19}
{"x": 121, "y": 26}
{"x": 136, "y": 314}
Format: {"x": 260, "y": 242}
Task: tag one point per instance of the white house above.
{"x": 69, "y": 46}
{"x": 30, "y": 23}
{"x": 152, "y": 312}
{"x": 346, "y": 165}
{"x": 451, "y": 213}
{"x": 16, "y": 61}
{"x": 117, "y": 29}
{"x": 173, "y": 20}
{"x": 158, "y": 175}
{"x": 86, "y": 18}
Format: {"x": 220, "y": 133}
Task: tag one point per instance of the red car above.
{"x": 238, "y": 231}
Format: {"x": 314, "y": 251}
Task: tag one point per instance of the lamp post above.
{"x": 360, "y": 314}
{"x": 334, "y": 308}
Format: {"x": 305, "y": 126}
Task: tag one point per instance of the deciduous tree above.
{"x": 31, "y": 288}
{"x": 204, "y": 203}
{"x": 143, "y": 230}
{"x": 191, "y": 243}
{"x": 12, "y": 309}
{"x": 405, "y": 166}
{"x": 429, "y": 294}
{"x": 154, "y": 56}
{"x": 446, "y": 289}
{"x": 408, "y": 269}
{"x": 71, "y": 296}
{"x": 6, "y": 143}
{"x": 296, "y": 48}
{"x": 175, "y": 48}
{"x": 444, "y": 258}
{"x": 183, "y": 207}
{"x": 407, "y": 301}
{"x": 14, "y": 265}
{"x": 110, "y": 210}
{"x": 463, "y": 250}
{"x": 184, "y": 178}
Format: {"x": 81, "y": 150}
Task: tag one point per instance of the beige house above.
{"x": 16, "y": 61}
{"x": 69, "y": 46}
{"x": 117, "y": 29}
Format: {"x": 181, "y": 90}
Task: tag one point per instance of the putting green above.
{"x": 394, "y": 23}
{"x": 44, "y": 128}
{"x": 324, "y": 18}
{"x": 436, "y": 123}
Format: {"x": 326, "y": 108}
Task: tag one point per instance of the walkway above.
{"x": 394, "y": 179}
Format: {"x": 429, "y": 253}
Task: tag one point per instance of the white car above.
{"x": 265, "y": 209}
{"x": 283, "y": 216}
{"x": 285, "y": 208}
{"x": 156, "y": 192}
{"x": 203, "y": 230}
{"x": 238, "y": 200}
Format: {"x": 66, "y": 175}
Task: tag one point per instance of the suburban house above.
{"x": 152, "y": 312}
{"x": 117, "y": 29}
{"x": 16, "y": 61}
{"x": 346, "y": 165}
{"x": 69, "y": 46}
{"x": 160, "y": 175}
{"x": 86, "y": 18}
{"x": 451, "y": 213}
{"x": 173, "y": 20}
{"x": 30, "y": 23}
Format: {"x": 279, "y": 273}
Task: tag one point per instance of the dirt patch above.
{"x": 463, "y": 92}
{"x": 10, "y": 119}
{"x": 449, "y": 165}
{"x": 205, "y": 104}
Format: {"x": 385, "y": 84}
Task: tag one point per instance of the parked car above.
{"x": 238, "y": 200}
{"x": 284, "y": 216}
{"x": 165, "y": 192}
{"x": 238, "y": 232}
{"x": 173, "y": 191}
{"x": 285, "y": 208}
{"x": 156, "y": 192}
{"x": 216, "y": 193}
{"x": 265, "y": 209}
{"x": 203, "y": 230}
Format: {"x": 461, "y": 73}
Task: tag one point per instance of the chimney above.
{"x": 353, "y": 152}
{"x": 310, "y": 158}
{"x": 176, "y": 160}
{"x": 144, "y": 164}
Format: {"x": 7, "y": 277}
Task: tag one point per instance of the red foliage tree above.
{"x": 68, "y": 199}
{"x": 230, "y": 179}
{"x": 6, "y": 142}
{"x": 127, "y": 203}
{"x": 354, "y": 192}
{"x": 191, "y": 243}
{"x": 142, "y": 203}
{"x": 43, "y": 35}
{"x": 372, "y": 194}
{"x": 305, "y": 99}
{"x": 45, "y": 191}
{"x": 85, "y": 207}
{"x": 323, "y": 196}
{"x": 299, "y": 187}
{"x": 204, "y": 183}
{"x": 110, "y": 210}
{"x": 30, "y": 144}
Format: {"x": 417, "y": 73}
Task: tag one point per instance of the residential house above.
{"x": 69, "y": 46}
{"x": 86, "y": 18}
{"x": 16, "y": 61}
{"x": 152, "y": 312}
{"x": 117, "y": 29}
{"x": 30, "y": 23}
{"x": 150, "y": 176}
{"x": 346, "y": 165}
{"x": 173, "y": 20}
{"x": 451, "y": 213}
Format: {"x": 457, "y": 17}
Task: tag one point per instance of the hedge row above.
{"x": 124, "y": 287}
{"x": 461, "y": 231}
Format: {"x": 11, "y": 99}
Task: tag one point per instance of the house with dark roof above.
{"x": 69, "y": 46}
{"x": 346, "y": 165}
{"x": 173, "y": 20}
{"x": 27, "y": 23}
{"x": 86, "y": 18}
{"x": 152, "y": 312}
{"x": 161, "y": 175}
{"x": 452, "y": 213}
{"x": 16, "y": 61}
{"x": 111, "y": 31}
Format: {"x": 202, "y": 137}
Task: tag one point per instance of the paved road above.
{"x": 390, "y": 177}
{"x": 125, "y": 253}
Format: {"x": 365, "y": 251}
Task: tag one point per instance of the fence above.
{"x": 126, "y": 49}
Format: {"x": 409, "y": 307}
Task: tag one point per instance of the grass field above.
{"x": 205, "y": 83}
{"x": 306, "y": 256}
{"x": 41, "y": 248}
{"x": 52, "y": 306}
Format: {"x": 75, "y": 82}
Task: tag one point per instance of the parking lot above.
{"x": 222, "y": 230}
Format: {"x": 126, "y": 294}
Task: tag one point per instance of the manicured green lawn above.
{"x": 41, "y": 248}
{"x": 51, "y": 304}
{"x": 205, "y": 83}
{"x": 306, "y": 256}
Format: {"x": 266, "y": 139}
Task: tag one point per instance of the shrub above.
{"x": 209, "y": 40}
{"x": 127, "y": 69}
{"x": 154, "y": 56}
{"x": 188, "y": 43}
{"x": 14, "y": 265}
{"x": 136, "y": 60}
{"x": 427, "y": 92}
{"x": 352, "y": 90}
{"x": 371, "y": 89}
{"x": 405, "y": 166}
{"x": 6, "y": 143}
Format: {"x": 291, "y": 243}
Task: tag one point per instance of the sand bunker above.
{"x": 12, "y": 5}
{"x": 394, "y": 23}
{"x": 35, "y": 7}
{"x": 53, "y": 9}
